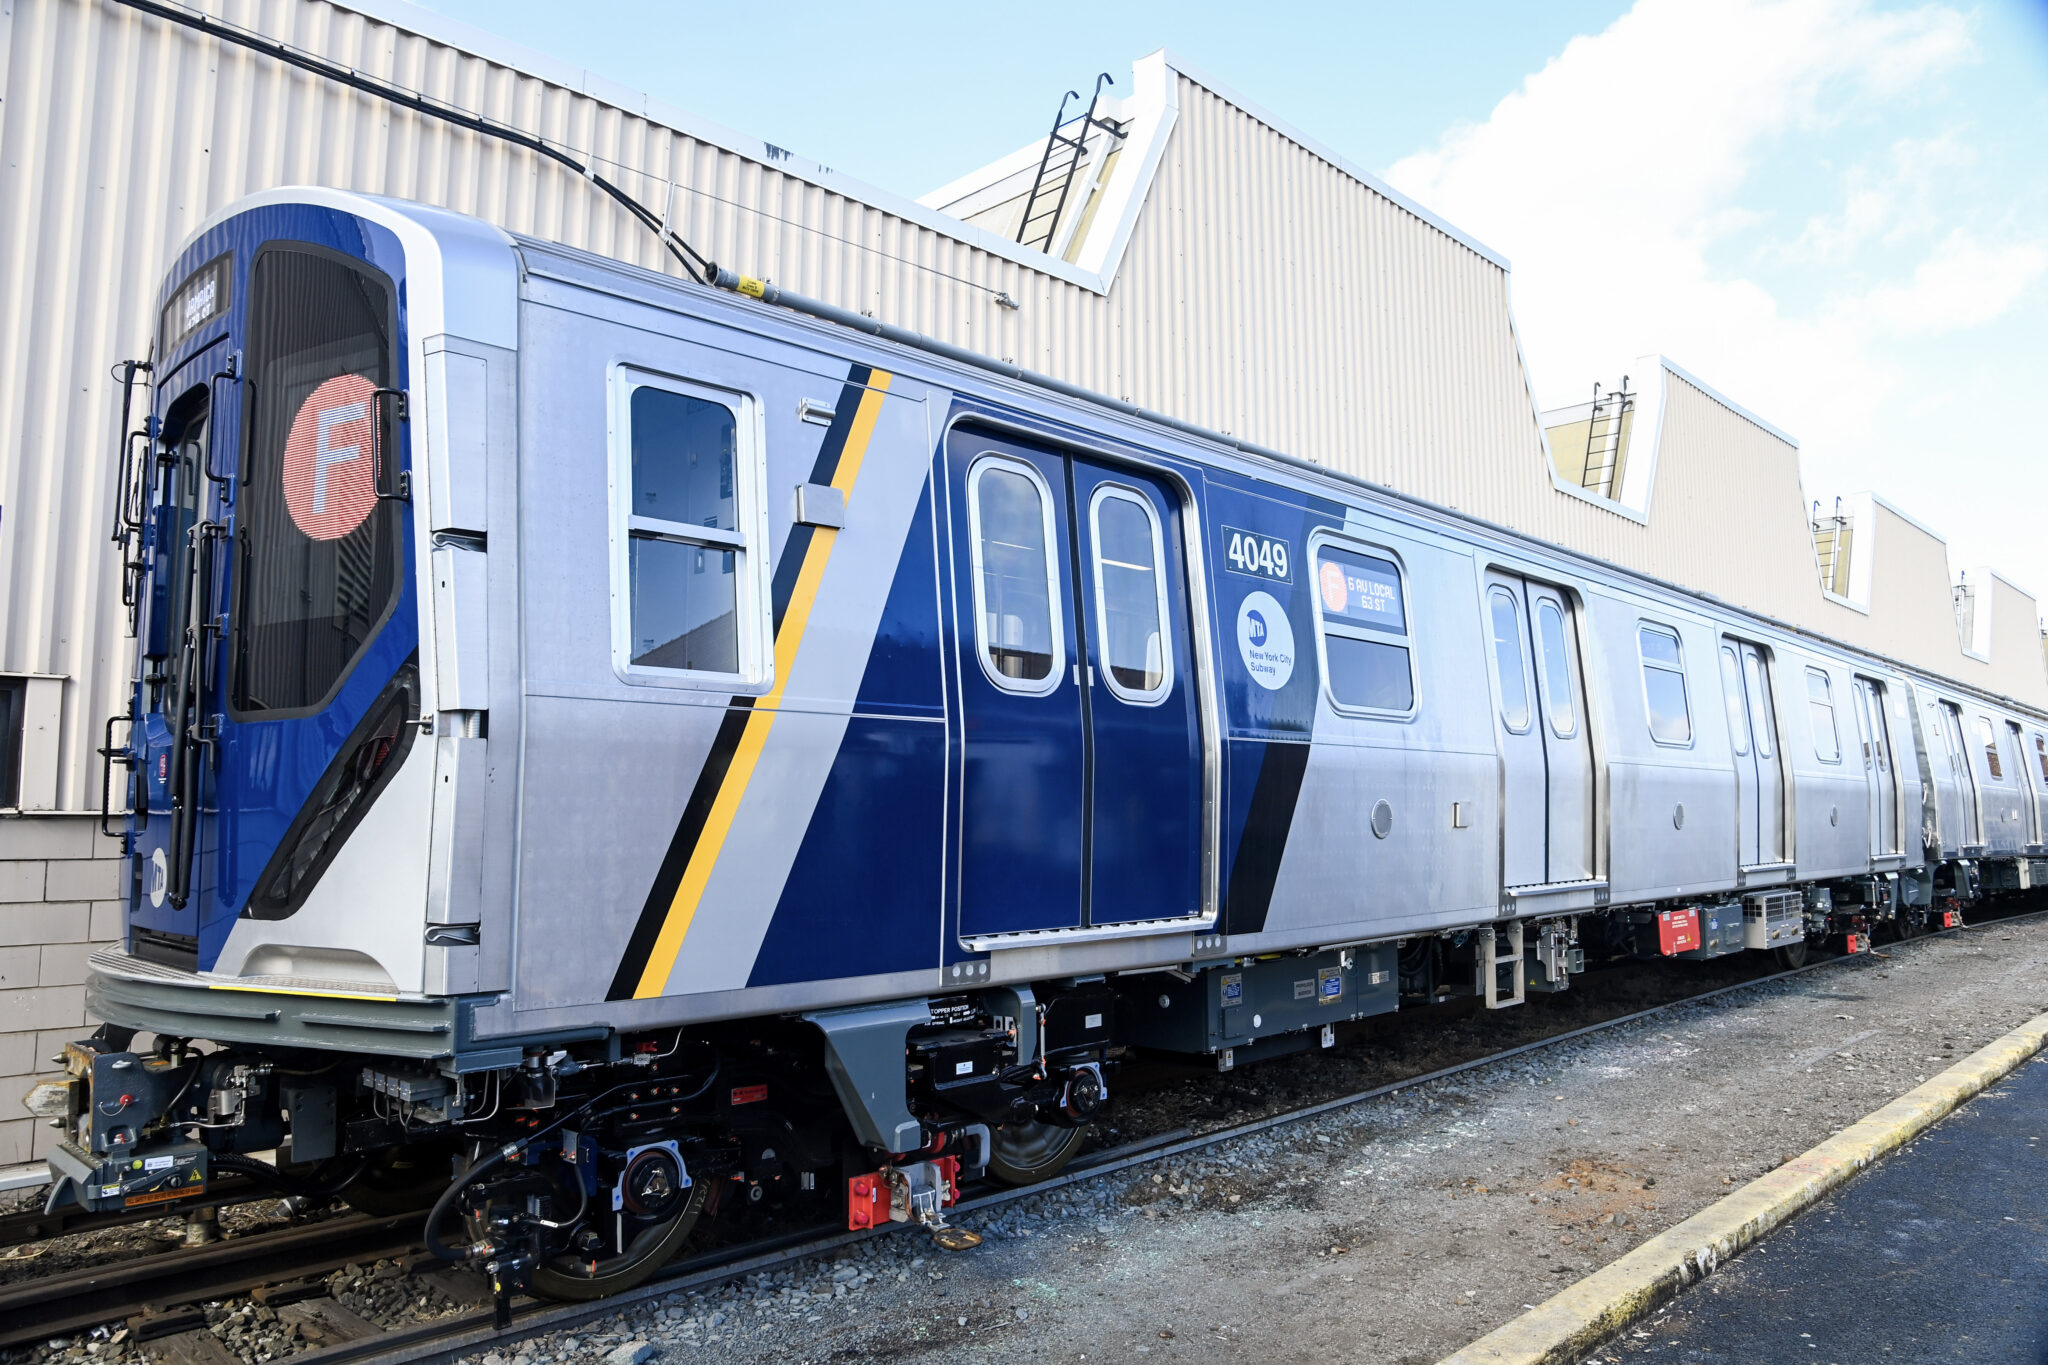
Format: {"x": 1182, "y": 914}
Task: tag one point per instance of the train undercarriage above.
{"x": 581, "y": 1169}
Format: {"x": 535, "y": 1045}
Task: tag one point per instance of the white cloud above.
{"x": 1618, "y": 181}
{"x": 1963, "y": 283}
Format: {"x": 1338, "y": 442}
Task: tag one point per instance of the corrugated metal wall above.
{"x": 1265, "y": 292}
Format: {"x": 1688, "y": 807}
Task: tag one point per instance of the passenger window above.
{"x": 1130, "y": 595}
{"x": 685, "y": 550}
{"x": 1664, "y": 685}
{"x": 1990, "y": 738}
{"x": 2041, "y": 753}
{"x": 1015, "y": 590}
{"x": 1557, "y": 669}
{"x": 1507, "y": 659}
{"x": 1820, "y": 704}
{"x": 1731, "y": 687}
{"x": 1365, "y": 631}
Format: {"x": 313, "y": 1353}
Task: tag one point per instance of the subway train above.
{"x": 606, "y": 750}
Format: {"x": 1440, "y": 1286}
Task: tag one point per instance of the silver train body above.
{"x": 762, "y": 670}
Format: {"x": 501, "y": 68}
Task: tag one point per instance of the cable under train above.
{"x": 604, "y": 748}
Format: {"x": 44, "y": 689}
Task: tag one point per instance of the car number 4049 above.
{"x": 1258, "y": 556}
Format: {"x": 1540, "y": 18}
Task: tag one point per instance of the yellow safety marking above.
{"x": 661, "y": 960}
{"x": 294, "y": 990}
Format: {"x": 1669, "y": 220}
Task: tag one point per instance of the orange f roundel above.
{"x": 329, "y": 483}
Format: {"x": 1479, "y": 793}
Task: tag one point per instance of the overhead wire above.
{"x": 693, "y": 262}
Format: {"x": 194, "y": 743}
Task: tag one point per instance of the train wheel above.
{"x": 576, "y": 1280}
{"x": 1026, "y": 1153}
{"x": 1792, "y": 956}
{"x": 401, "y": 1180}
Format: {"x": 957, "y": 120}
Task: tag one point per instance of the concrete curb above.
{"x": 1564, "y": 1328}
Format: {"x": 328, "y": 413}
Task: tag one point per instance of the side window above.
{"x": 1557, "y": 669}
{"x": 690, "y": 568}
{"x": 1731, "y": 688}
{"x": 1016, "y": 583}
{"x": 2041, "y": 754}
{"x": 1130, "y": 595}
{"x": 1991, "y": 759}
{"x": 1506, "y": 617}
{"x": 1365, "y": 631}
{"x": 1664, "y": 685}
{"x": 1820, "y": 704}
{"x": 319, "y": 551}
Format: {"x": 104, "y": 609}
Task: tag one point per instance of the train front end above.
{"x": 292, "y": 746}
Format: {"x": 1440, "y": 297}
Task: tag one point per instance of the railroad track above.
{"x": 156, "y": 1294}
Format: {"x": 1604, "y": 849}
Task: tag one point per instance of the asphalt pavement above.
{"x": 1938, "y": 1253}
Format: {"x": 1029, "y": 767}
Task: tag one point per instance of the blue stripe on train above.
{"x": 863, "y": 895}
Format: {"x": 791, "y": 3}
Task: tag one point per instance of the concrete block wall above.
{"x": 60, "y": 889}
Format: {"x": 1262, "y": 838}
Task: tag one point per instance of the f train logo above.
{"x": 329, "y": 482}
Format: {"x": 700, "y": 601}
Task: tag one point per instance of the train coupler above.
{"x": 916, "y": 1192}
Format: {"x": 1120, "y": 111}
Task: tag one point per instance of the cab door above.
{"x": 1540, "y": 719}
{"x": 2030, "y": 792}
{"x": 1081, "y": 767}
{"x": 1971, "y": 826}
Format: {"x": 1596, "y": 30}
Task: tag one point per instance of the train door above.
{"x": 2030, "y": 793}
{"x": 1541, "y": 721}
{"x": 1971, "y": 827}
{"x": 1753, "y": 736}
{"x": 1878, "y": 772}
{"x": 1081, "y": 762}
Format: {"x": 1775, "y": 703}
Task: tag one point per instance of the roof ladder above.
{"x": 1831, "y": 547}
{"x": 1603, "y": 439}
{"x": 1066, "y": 147}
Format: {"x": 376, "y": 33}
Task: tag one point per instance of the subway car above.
{"x": 605, "y": 749}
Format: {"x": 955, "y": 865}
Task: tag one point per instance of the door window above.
{"x": 2041, "y": 754}
{"x": 319, "y": 549}
{"x": 1991, "y": 759}
{"x": 1820, "y": 706}
{"x": 1664, "y": 695}
{"x": 1731, "y": 688}
{"x": 687, "y": 556}
{"x": 1762, "y": 723}
{"x": 1507, "y": 660}
{"x": 1364, "y": 619}
{"x": 1562, "y": 705}
{"x": 1130, "y": 596}
{"x": 1016, "y": 585}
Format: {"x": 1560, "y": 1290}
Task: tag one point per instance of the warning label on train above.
{"x": 1256, "y": 556}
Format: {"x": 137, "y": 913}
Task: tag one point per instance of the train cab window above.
{"x": 1664, "y": 684}
{"x": 2041, "y": 754}
{"x": 1820, "y": 706}
{"x": 1991, "y": 758}
{"x": 1562, "y": 705}
{"x": 1364, "y": 616}
{"x": 1731, "y": 690}
{"x": 688, "y": 561}
{"x": 1506, "y": 617}
{"x": 1016, "y": 583}
{"x": 319, "y": 551}
{"x": 1130, "y": 595}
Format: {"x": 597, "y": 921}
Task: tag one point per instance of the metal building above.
{"x": 1175, "y": 246}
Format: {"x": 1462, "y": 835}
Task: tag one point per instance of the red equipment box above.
{"x": 1678, "y": 931}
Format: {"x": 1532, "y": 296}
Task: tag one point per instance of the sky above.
{"x": 1835, "y": 212}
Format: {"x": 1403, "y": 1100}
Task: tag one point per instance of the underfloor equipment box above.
{"x": 1773, "y": 919}
{"x": 1228, "y": 1006}
{"x": 1721, "y": 931}
{"x": 1666, "y": 933}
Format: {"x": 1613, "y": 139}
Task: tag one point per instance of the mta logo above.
{"x": 1258, "y": 624}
